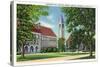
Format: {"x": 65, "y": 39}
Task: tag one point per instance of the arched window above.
{"x": 36, "y": 48}
{"x": 26, "y": 49}
{"x": 31, "y": 49}
{"x": 34, "y": 41}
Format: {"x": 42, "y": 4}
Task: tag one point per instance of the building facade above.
{"x": 79, "y": 47}
{"x": 45, "y": 38}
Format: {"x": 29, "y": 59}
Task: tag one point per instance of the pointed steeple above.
{"x": 62, "y": 19}
{"x": 61, "y": 27}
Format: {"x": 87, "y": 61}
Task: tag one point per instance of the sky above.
{"x": 52, "y": 19}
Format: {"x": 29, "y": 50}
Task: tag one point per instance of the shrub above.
{"x": 18, "y": 53}
{"x": 49, "y": 49}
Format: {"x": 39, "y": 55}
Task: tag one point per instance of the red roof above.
{"x": 44, "y": 31}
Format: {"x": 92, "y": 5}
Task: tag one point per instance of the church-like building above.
{"x": 45, "y": 38}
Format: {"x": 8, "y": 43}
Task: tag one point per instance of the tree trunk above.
{"x": 78, "y": 48}
{"x": 23, "y": 51}
{"x": 91, "y": 50}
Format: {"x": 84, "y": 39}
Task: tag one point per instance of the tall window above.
{"x": 31, "y": 49}
{"x": 26, "y": 49}
{"x": 36, "y": 48}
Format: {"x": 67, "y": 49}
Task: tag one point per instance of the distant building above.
{"x": 68, "y": 41}
{"x": 79, "y": 47}
{"x": 61, "y": 34}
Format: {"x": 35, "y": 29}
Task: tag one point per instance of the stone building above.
{"x": 45, "y": 37}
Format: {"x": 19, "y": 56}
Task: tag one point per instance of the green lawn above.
{"x": 47, "y": 55}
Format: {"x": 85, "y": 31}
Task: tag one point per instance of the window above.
{"x": 34, "y": 41}
{"x": 31, "y": 49}
{"x": 36, "y": 48}
{"x": 26, "y": 49}
{"x": 37, "y": 36}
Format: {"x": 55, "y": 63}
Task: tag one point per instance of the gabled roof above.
{"x": 44, "y": 31}
{"x": 68, "y": 37}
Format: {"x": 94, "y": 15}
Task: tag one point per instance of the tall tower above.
{"x": 61, "y": 27}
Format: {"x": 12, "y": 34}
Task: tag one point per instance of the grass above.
{"x": 87, "y": 57}
{"x": 37, "y": 56}
{"x": 47, "y": 55}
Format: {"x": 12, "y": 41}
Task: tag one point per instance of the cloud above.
{"x": 46, "y": 24}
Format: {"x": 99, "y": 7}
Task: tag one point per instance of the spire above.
{"x": 61, "y": 27}
{"x": 62, "y": 20}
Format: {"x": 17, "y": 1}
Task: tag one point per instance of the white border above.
{"x": 14, "y": 33}
{"x": 47, "y": 4}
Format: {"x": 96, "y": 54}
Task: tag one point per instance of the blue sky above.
{"x": 52, "y": 19}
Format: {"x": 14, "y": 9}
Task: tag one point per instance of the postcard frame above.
{"x": 13, "y": 36}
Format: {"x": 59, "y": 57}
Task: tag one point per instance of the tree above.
{"x": 77, "y": 38}
{"x": 27, "y": 15}
{"x": 61, "y": 45}
{"x": 81, "y": 20}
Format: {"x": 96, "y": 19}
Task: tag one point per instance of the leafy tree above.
{"x": 81, "y": 22}
{"x": 27, "y": 15}
{"x": 61, "y": 45}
